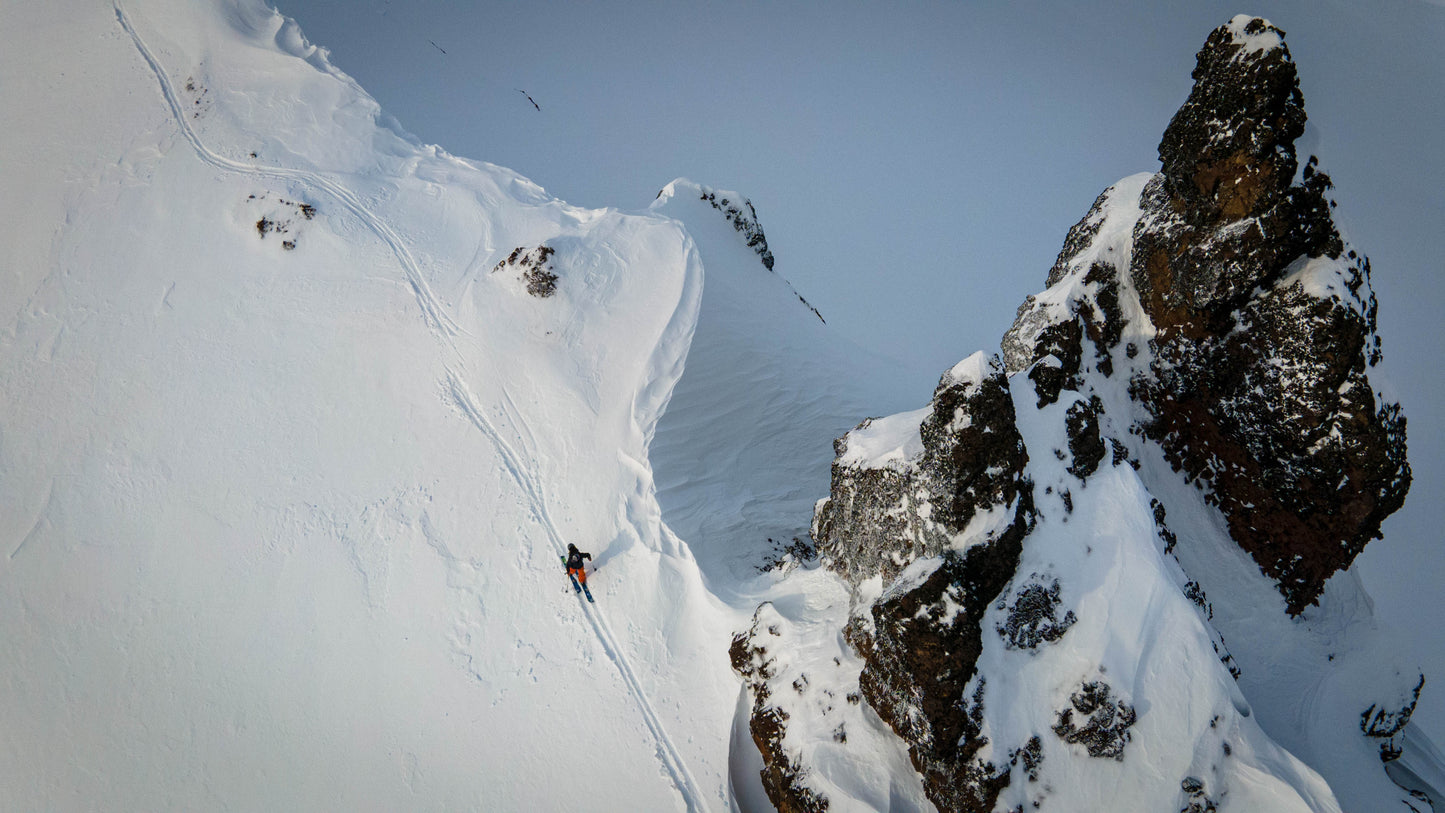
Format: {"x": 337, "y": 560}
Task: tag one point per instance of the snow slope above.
{"x": 743, "y": 450}
{"x": 288, "y": 452}
{"x": 287, "y": 460}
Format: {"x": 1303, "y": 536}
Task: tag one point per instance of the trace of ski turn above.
{"x": 433, "y": 311}
{"x": 666, "y": 751}
{"x": 438, "y": 319}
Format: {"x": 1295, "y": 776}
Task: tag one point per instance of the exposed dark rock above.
{"x": 1195, "y": 593}
{"x": 1265, "y": 323}
{"x": 1080, "y": 237}
{"x": 1195, "y": 799}
{"x": 278, "y": 217}
{"x": 1059, "y": 353}
{"x": 1030, "y": 758}
{"x": 1033, "y": 618}
{"x": 1249, "y": 372}
{"x": 1224, "y": 657}
{"x": 864, "y": 528}
{"x": 537, "y": 273}
{"x": 973, "y": 461}
{"x": 920, "y": 657}
{"x": 745, "y": 222}
{"x": 1259, "y": 388}
{"x": 921, "y": 640}
{"x": 1387, "y": 726}
{"x": 1170, "y": 540}
{"x": 1092, "y": 312}
{"x": 782, "y": 775}
{"x": 787, "y": 555}
{"x": 1085, "y": 443}
{"x": 1121, "y": 454}
{"x": 1104, "y": 323}
{"x": 974, "y": 457}
{"x": 918, "y": 666}
{"x": 1104, "y": 727}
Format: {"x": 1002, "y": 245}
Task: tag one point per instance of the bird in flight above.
{"x": 530, "y": 99}
{"x": 438, "y": 47}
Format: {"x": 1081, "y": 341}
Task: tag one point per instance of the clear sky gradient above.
{"x": 916, "y": 165}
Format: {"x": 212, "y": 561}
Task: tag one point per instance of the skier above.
{"x": 574, "y": 564}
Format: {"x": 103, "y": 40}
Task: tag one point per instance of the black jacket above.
{"x": 574, "y": 559}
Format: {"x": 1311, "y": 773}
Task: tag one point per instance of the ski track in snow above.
{"x": 40, "y": 520}
{"x": 442, "y": 324}
{"x": 432, "y": 309}
{"x": 532, "y": 486}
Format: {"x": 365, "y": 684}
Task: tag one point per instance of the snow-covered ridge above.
{"x": 290, "y": 451}
{"x": 737, "y": 210}
{"x": 297, "y": 504}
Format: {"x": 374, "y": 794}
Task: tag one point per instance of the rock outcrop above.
{"x": 950, "y": 524}
{"x": 1211, "y": 309}
{"x": 1266, "y": 325}
{"x": 1263, "y": 323}
{"x": 936, "y": 505}
{"x": 963, "y": 482}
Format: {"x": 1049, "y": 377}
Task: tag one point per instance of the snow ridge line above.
{"x": 432, "y": 309}
{"x": 667, "y": 752}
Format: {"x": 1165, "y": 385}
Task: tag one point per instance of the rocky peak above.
{"x": 1211, "y": 310}
{"x": 926, "y": 517}
{"x": 1261, "y": 321}
{"x": 1229, "y": 151}
{"x": 1265, "y": 324}
{"x": 1224, "y": 216}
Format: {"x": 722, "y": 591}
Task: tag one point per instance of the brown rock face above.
{"x": 873, "y": 522}
{"x": 1260, "y": 331}
{"x": 921, "y": 655}
{"x": 752, "y": 658}
{"x": 1259, "y": 387}
{"x": 921, "y": 641}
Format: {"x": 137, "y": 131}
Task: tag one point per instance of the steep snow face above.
{"x": 1156, "y": 629}
{"x": 741, "y": 455}
{"x": 289, "y": 450}
{"x": 742, "y": 451}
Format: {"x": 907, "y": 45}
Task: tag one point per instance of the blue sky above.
{"x": 916, "y": 165}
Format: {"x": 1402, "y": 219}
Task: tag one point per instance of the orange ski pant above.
{"x": 579, "y": 573}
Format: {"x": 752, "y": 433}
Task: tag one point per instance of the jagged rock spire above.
{"x": 1229, "y": 151}
{"x": 1266, "y": 324}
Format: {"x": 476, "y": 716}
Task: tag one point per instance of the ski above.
{"x": 577, "y": 586}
